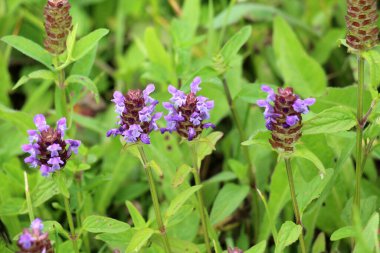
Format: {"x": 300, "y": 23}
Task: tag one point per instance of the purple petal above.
{"x": 113, "y": 132}
{"x": 40, "y": 122}
{"x": 194, "y": 86}
{"x": 74, "y": 145}
{"x": 145, "y": 138}
{"x": 45, "y": 170}
{"x": 54, "y": 148}
{"x": 309, "y": 101}
{"x": 33, "y": 135}
{"x": 149, "y": 89}
{"x": 26, "y": 240}
{"x": 292, "y": 120}
{"x": 208, "y": 125}
{"x": 32, "y": 161}
{"x": 37, "y": 225}
{"x": 271, "y": 95}
{"x": 61, "y": 126}
{"x": 262, "y": 102}
{"x": 191, "y": 133}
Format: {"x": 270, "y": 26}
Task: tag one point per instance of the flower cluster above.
{"x": 47, "y": 148}
{"x": 284, "y": 118}
{"x": 137, "y": 115}
{"x": 33, "y": 240}
{"x": 57, "y": 25}
{"x": 187, "y": 112}
{"x": 361, "y": 20}
{"x": 234, "y": 250}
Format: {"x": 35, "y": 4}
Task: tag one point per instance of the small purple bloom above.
{"x": 33, "y": 239}
{"x": 302, "y": 106}
{"x": 137, "y": 115}
{"x": 37, "y": 225}
{"x": 26, "y": 240}
{"x": 186, "y": 112}
{"x": 47, "y": 148}
{"x": 292, "y": 120}
{"x": 271, "y": 95}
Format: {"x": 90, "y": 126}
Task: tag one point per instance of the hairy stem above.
{"x": 156, "y": 203}
{"x": 294, "y": 201}
{"x": 359, "y": 132}
{"x": 251, "y": 171}
{"x": 73, "y": 237}
{"x": 201, "y": 204}
{"x": 28, "y": 199}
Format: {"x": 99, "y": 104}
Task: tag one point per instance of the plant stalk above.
{"x": 73, "y": 237}
{"x": 359, "y": 132}
{"x": 201, "y": 204}
{"x": 251, "y": 172}
{"x": 28, "y": 199}
{"x": 294, "y": 201}
{"x": 155, "y": 200}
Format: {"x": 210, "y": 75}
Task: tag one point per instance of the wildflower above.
{"x": 187, "y": 111}
{"x": 234, "y": 250}
{"x": 137, "y": 115}
{"x": 33, "y": 240}
{"x": 47, "y": 148}
{"x": 57, "y": 25}
{"x": 284, "y": 117}
{"x": 361, "y": 21}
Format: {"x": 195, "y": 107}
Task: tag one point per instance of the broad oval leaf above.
{"x": 288, "y": 234}
{"x": 101, "y": 224}
{"x": 139, "y": 239}
{"x": 180, "y": 199}
{"x": 342, "y": 233}
{"x": 233, "y": 45}
{"x": 87, "y": 43}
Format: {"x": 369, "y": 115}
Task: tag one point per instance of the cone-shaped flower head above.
{"x": 187, "y": 111}
{"x": 47, "y": 148}
{"x": 283, "y": 116}
{"x": 57, "y": 25}
{"x": 33, "y": 240}
{"x": 234, "y": 250}
{"x": 137, "y": 115}
{"x": 361, "y": 20}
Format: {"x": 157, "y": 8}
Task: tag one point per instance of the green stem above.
{"x": 60, "y": 81}
{"x": 71, "y": 224}
{"x": 294, "y": 200}
{"x": 251, "y": 171}
{"x": 201, "y": 204}
{"x": 28, "y": 199}
{"x": 156, "y": 203}
{"x": 359, "y": 132}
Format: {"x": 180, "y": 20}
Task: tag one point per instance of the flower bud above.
{"x": 57, "y": 25}
{"x": 361, "y": 21}
{"x": 33, "y": 240}
{"x": 284, "y": 117}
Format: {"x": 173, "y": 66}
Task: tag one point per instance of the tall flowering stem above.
{"x": 28, "y": 198}
{"x": 283, "y": 116}
{"x": 201, "y": 205}
{"x": 136, "y": 120}
{"x": 362, "y": 35}
{"x": 186, "y": 115}
{"x": 71, "y": 223}
{"x": 156, "y": 203}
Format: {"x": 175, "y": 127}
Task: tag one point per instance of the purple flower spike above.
{"x": 47, "y": 148}
{"x": 34, "y": 240}
{"x": 283, "y": 116}
{"x": 137, "y": 115}
{"x": 187, "y": 112}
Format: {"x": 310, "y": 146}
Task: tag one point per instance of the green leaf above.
{"x": 181, "y": 175}
{"x": 29, "y": 48}
{"x": 156, "y": 168}
{"x": 139, "y": 240}
{"x": 180, "y": 199}
{"x": 333, "y": 120}
{"x": 227, "y": 201}
{"x": 44, "y": 190}
{"x": 62, "y": 184}
{"x": 298, "y": 69}
{"x": 85, "y": 82}
{"x": 258, "y": 248}
{"x": 304, "y": 152}
{"x": 177, "y": 245}
{"x": 52, "y": 226}
{"x": 204, "y": 148}
{"x": 373, "y": 59}
{"x": 319, "y": 245}
{"x": 101, "y": 224}
{"x": 288, "y": 234}
{"x": 233, "y": 45}
{"x": 20, "y": 120}
{"x": 342, "y": 233}
{"x": 369, "y": 238}
{"x": 138, "y": 220}
{"x": 87, "y": 43}
{"x": 260, "y": 138}
{"x": 39, "y": 74}
{"x": 312, "y": 190}
{"x": 118, "y": 240}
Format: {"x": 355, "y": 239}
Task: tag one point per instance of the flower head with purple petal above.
{"x": 283, "y": 116}
{"x": 33, "y": 239}
{"x": 47, "y": 149}
{"x": 136, "y": 113}
{"x": 187, "y": 111}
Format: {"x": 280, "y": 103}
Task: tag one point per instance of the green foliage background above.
{"x": 250, "y": 43}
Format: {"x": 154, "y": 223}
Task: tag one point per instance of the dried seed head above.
{"x": 33, "y": 240}
{"x": 187, "y": 112}
{"x": 284, "y": 117}
{"x": 57, "y": 25}
{"x": 136, "y": 113}
{"x": 361, "y": 21}
{"x": 47, "y": 148}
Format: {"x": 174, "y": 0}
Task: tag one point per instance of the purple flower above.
{"x": 33, "y": 239}
{"x": 46, "y": 147}
{"x": 186, "y": 112}
{"x": 136, "y": 113}
{"x": 283, "y": 116}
